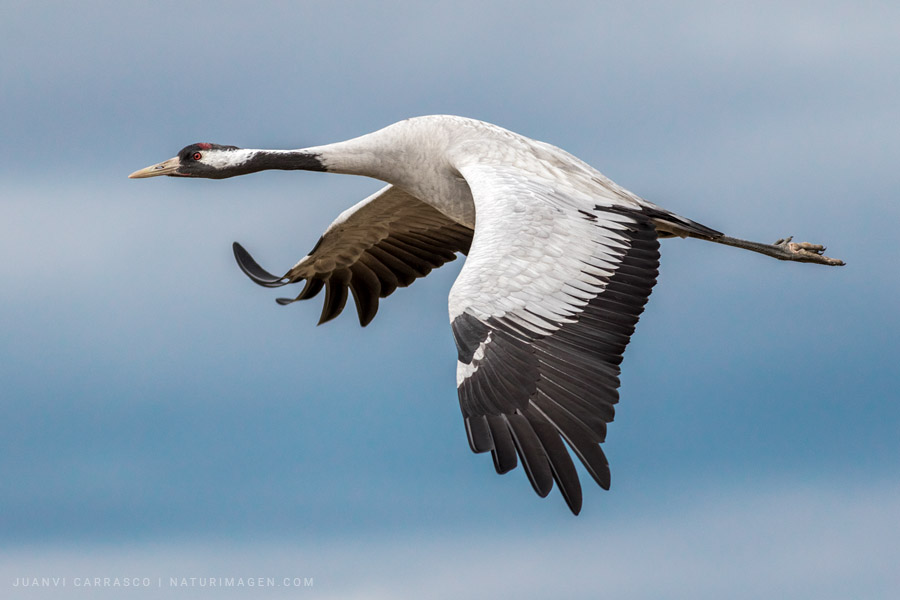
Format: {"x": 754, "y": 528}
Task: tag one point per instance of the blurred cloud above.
{"x": 819, "y": 542}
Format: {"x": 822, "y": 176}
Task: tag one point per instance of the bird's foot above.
{"x": 806, "y": 252}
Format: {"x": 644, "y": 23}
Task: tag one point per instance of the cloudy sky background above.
{"x": 161, "y": 416}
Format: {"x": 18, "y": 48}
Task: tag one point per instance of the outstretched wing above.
{"x": 541, "y": 313}
{"x": 386, "y": 241}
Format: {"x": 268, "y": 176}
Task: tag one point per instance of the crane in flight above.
{"x": 560, "y": 263}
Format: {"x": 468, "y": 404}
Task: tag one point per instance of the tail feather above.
{"x": 669, "y": 223}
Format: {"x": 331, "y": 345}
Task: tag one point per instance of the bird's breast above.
{"x": 446, "y": 192}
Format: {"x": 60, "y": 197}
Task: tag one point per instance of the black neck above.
{"x": 287, "y": 161}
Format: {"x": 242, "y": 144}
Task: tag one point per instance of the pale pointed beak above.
{"x": 169, "y": 167}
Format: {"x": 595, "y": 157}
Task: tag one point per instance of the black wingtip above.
{"x": 574, "y": 505}
{"x": 365, "y": 319}
{"x": 570, "y": 488}
{"x": 252, "y": 269}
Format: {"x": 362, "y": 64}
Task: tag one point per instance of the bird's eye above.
{"x": 196, "y": 156}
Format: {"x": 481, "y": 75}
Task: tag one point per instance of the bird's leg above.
{"x": 783, "y": 249}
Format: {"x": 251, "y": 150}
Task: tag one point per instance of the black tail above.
{"x": 669, "y": 223}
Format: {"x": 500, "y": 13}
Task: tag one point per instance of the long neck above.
{"x": 386, "y": 154}
{"x": 371, "y": 155}
{"x": 353, "y": 157}
{"x": 411, "y": 155}
{"x": 287, "y": 160}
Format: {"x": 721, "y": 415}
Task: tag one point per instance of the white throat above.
{"x": 222, "y": 159}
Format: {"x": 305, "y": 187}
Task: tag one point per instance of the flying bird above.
{"x": 560, "y": 263}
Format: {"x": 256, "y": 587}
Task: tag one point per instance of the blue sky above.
{"x": 161, "y": 416}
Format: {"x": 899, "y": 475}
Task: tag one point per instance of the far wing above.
{"x": 386, "y": 241}
{"x": 541, "y": 313}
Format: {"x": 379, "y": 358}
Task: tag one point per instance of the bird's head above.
{"x": 210, "y": 161}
